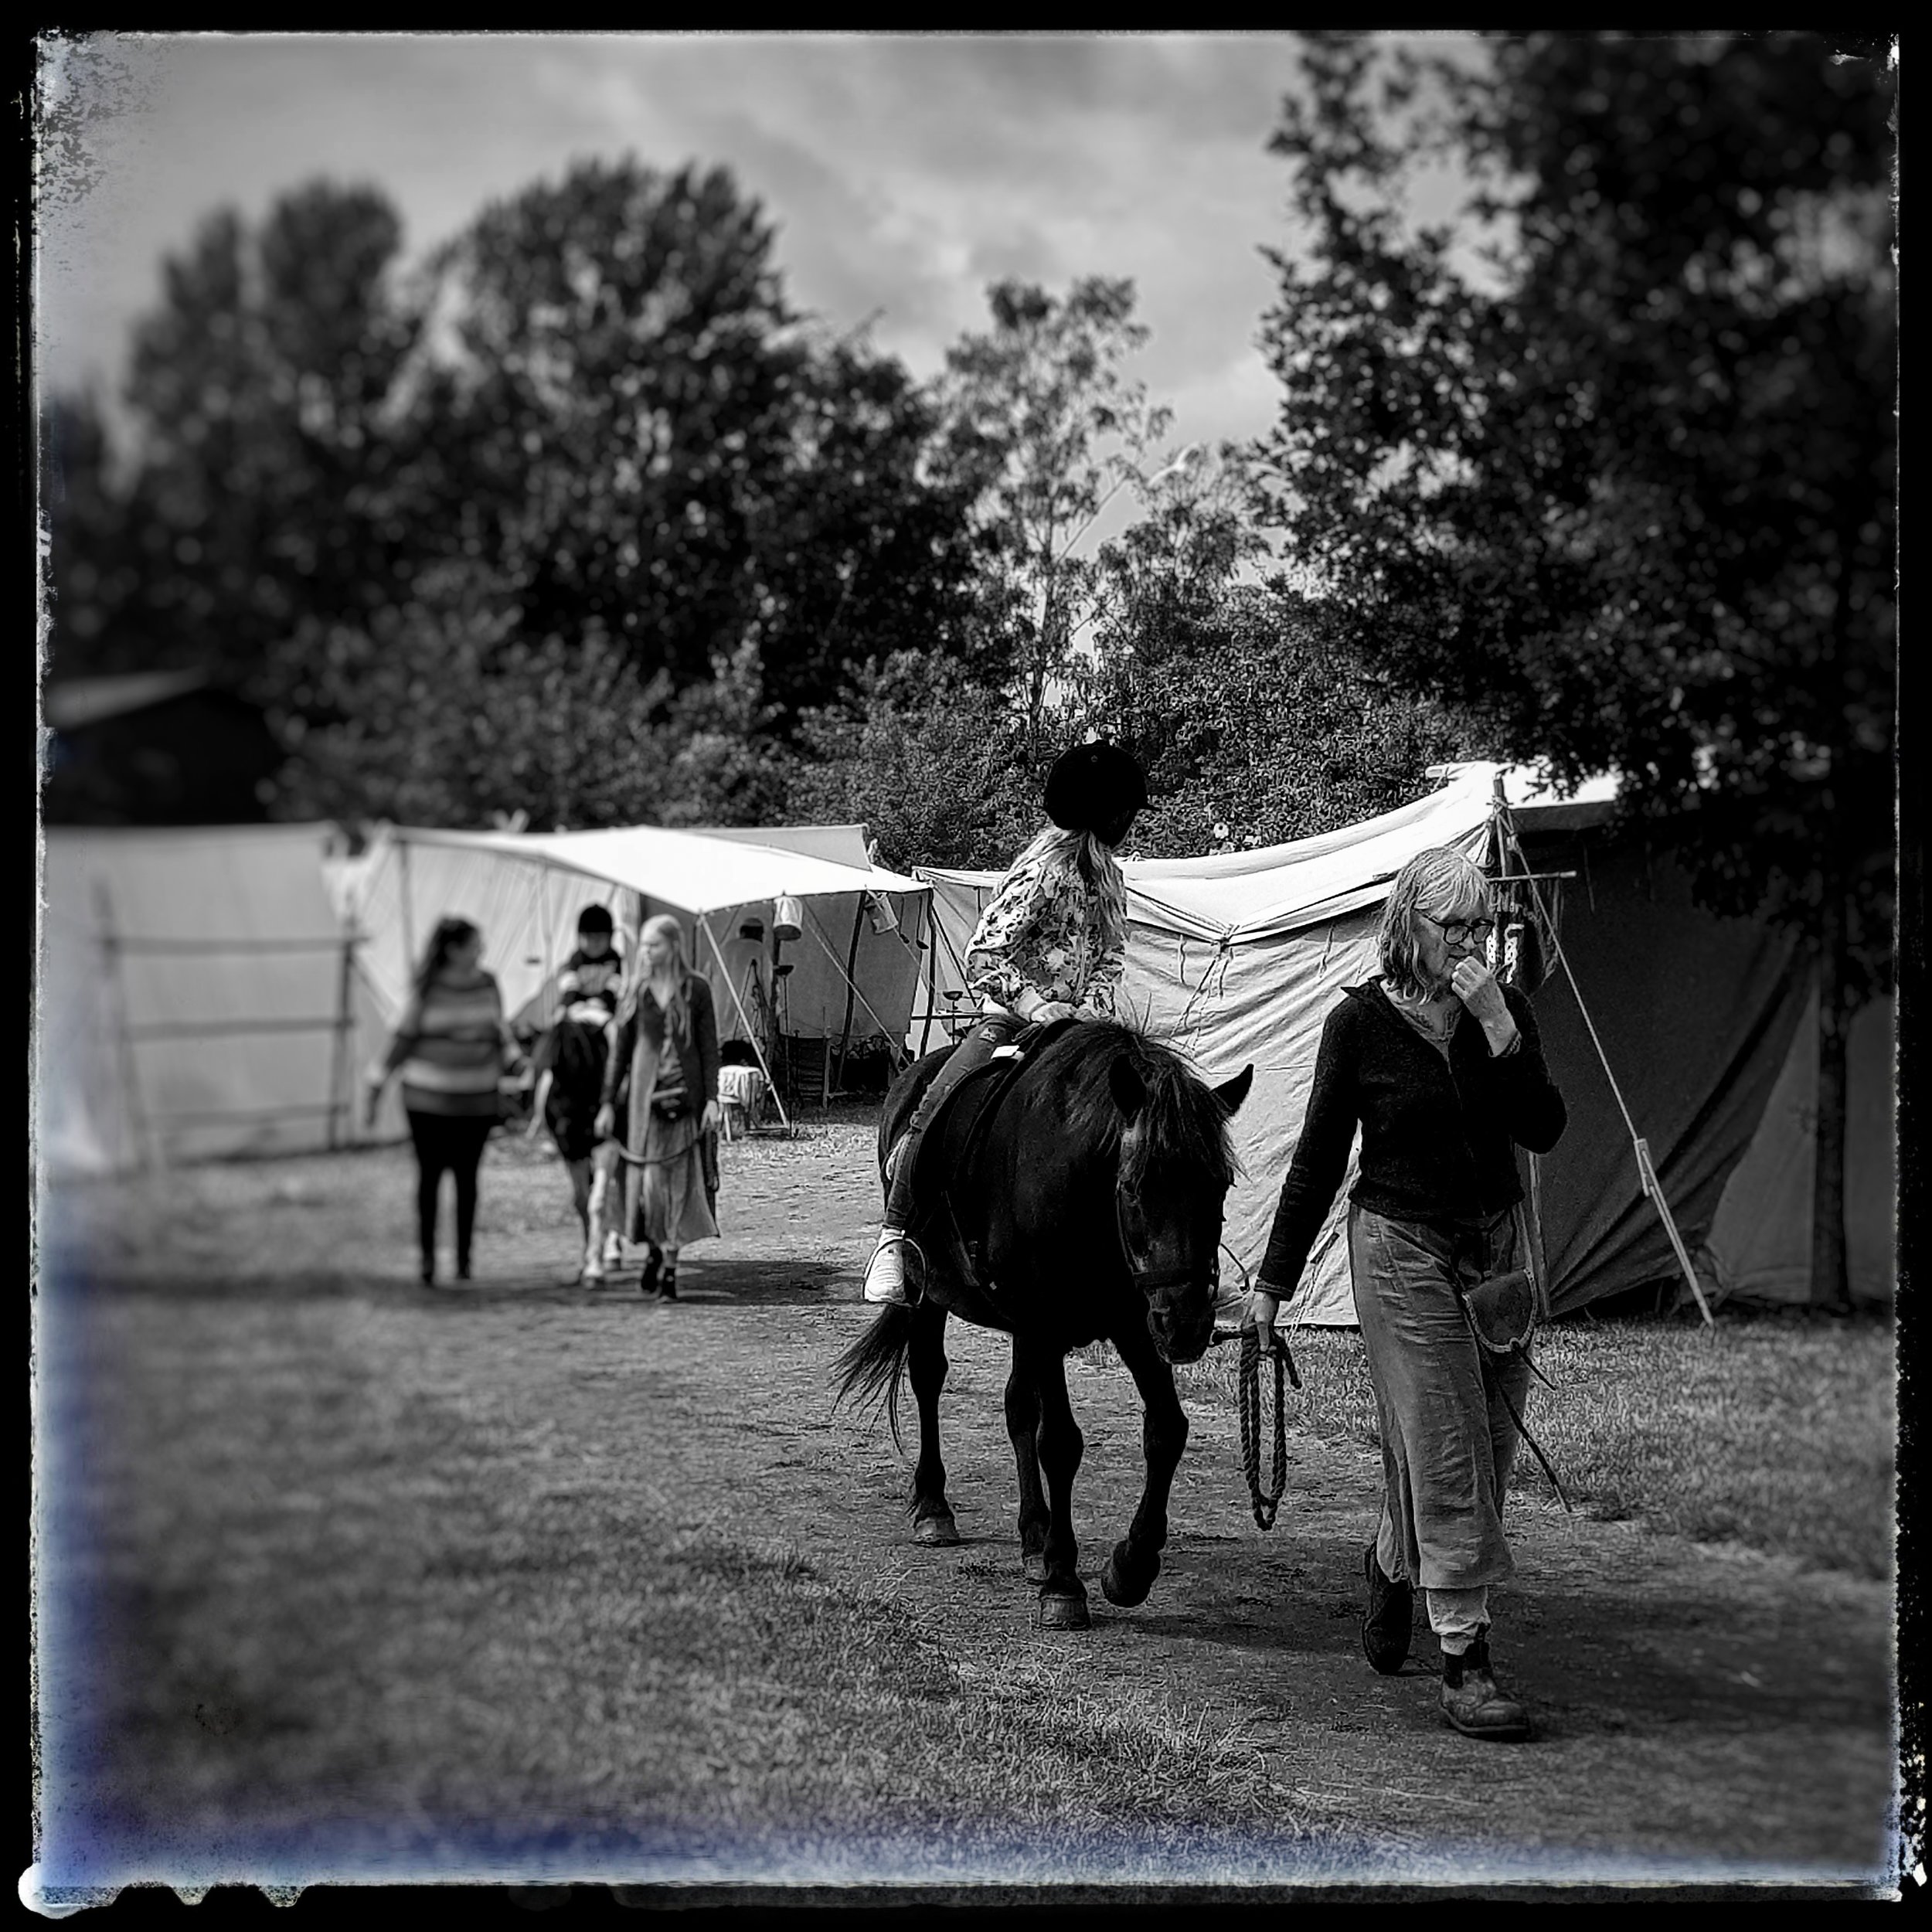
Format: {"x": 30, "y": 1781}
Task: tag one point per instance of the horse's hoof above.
{"x": 1058, "y": 1612}
{"x": 939, "y": 1532}
{"x": 1035, "y": 1569}
{"x": 1127, "y": 1587}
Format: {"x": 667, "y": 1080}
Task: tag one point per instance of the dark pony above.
{"x": 1080, "y": 1201}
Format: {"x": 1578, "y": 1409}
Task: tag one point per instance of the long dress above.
{"x": 671, "y": 1199}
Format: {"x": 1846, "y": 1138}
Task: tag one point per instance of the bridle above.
{"x": 1153, "y": 1281}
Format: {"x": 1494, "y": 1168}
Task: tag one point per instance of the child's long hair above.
{"x": 1441, "y": 873}
{"x": 1098, "y": 870}
{"x": 677, "y": 1010}
{"x": 450, "y": 934}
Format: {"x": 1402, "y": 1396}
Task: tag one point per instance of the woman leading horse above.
{"x": 1050, "y": 946}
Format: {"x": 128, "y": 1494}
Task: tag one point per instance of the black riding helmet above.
{"x": 1094, "y": 786}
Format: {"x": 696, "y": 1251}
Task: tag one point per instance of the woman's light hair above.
{"x": 1441, "y": 878}
{"x": 1098, "y": 870}
{"x": 669, "y": 927}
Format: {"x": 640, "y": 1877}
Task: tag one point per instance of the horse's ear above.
{"x": 1130, "y": 1091}
{"x": 1231, "y": 1093}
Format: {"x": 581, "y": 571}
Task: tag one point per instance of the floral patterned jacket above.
{"x": 1042, "y": 929}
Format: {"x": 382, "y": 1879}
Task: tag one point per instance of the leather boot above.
{"x": 1472, "y": 1701}
{"x": 1386, "y": 1629}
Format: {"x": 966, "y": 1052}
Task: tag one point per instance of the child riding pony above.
{"x": 1050, "y": 946}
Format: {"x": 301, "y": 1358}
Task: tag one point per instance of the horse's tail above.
{"x": 874, "y": 1364}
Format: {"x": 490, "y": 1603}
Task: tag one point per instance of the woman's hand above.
{"x": 712, "y": 1116}
{"x": 605, "y": 1126}
{"x": 1049, "y": 1010}
{"x": 1475, "y": 985}
{"x": 1262, "y": 1309}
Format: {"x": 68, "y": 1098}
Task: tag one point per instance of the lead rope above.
{"x": 1521, "y": 1354}
{"x": 1266, "y": 1503}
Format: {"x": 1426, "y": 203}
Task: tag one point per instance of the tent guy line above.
{"x": 1507, "y": 841}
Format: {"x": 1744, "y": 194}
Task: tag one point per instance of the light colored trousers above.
{"x": 1448, "y": 1442}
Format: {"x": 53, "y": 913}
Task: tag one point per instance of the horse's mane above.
{"x": 1182, "y": 1122}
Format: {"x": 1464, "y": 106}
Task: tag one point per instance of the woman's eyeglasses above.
{"x": 1458, "y": 931}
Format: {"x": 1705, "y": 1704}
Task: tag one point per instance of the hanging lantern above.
{"x": 787, "y": 917}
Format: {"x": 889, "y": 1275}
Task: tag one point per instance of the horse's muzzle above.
{"x": 1182, "y": 1337}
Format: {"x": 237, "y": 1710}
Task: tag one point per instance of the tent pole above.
{"x": 339, "y": 1083}
{"x": 1501, "y": 821}
{"x": 930, "y": 945}
{"x": 544, "y": 939}
{"x": 146, "y": 1140}
{"x": 851, "y": 962}
{"x": 408, "y": 916}
{"x": 751, "y": 1032}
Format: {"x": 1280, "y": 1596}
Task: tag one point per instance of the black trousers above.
{"x": 975, "y": 1050}
{"x": 452, "y": 1143}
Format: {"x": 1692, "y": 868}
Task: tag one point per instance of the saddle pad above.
{"x": 953, "y": 1132}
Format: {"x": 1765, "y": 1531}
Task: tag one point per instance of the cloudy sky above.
{"x": 904, "y": 173}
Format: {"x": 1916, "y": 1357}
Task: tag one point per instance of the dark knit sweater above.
{"x": 1436, "y": 1133}
{"x": 693, "y": 1062}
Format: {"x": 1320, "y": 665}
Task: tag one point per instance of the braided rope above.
{"x": 1265, "y": 1504}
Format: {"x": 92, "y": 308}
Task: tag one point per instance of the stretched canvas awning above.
{"x": 1239, "y": 958}
{"x": 695, "y": 872}
{"x": 848, "y": 976}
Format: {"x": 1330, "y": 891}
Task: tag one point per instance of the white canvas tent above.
{"x": 195, "y": 998}
{"x": 1238, "y": 957}
{"x": 853, "y": 964}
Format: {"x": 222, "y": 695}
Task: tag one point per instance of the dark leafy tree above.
{"x": 1608, "y": 464}
{"x": 1254, "y": 730}
{"x": 94, "y": 576}
{"x": 259, "y": 391}
{"x": 863, "y": 538}
{"x": 933, "y": 762}
{"x": 612, "y": 367}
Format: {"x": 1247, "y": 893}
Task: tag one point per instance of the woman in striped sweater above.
{"x": 451, "y": 1048}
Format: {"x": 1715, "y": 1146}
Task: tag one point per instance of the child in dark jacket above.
{"x": 570, "y": 1063}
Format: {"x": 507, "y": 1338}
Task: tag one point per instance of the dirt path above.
{"x": 1703, "y": 1713}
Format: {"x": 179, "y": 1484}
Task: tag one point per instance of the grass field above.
{"x": 1776, "y": 1432}
{"x": 338, "y": 1573}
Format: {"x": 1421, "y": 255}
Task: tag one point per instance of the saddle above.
{"x": 952, "y": 1137}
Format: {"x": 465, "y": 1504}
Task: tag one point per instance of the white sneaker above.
{"x": 592, "y": 1274}
{"x": 886, "y": 1272}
